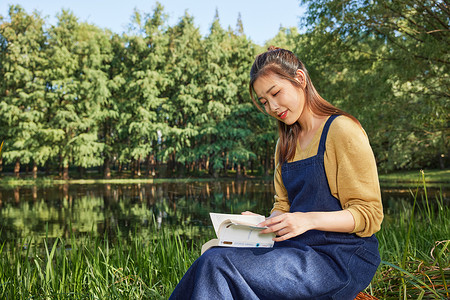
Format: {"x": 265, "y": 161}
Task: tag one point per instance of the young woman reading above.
{"x": 327, "y": 203}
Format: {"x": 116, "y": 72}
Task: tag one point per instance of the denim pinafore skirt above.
{"x": 314, "y": 265}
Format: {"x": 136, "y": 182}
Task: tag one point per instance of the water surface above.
{"x": 104, "y": 209}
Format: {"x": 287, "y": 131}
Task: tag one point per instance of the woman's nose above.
{"x": 273, "y": 105}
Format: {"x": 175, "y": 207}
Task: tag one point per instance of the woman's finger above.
{"x": 273, "y": 228}
{"x": 283, "y": 237}
{"x": 249, "y": 213}
{"x": 271, "y": 221}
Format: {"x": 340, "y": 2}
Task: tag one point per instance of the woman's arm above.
{"x": 352, "y": 175}
{"x": 288, "y": 225}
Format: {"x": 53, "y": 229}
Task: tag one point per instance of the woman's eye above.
{"x": 275, "y": 94}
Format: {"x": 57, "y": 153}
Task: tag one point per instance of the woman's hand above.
{"x": 249, "y": 213}
{"x": 288, "y": 225}
{"x": 275, "y": 213}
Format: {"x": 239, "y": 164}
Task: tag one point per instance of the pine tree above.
{"x": 110, "y": 121}
{"x": 22, "y": 88}
{"x": 145, "y": 80}
{"x": 182, "y": 94}
{"x": 62, "y": 89}
{"x": 93, "y": 52}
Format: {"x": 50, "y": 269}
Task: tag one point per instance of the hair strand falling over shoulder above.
{"x": 284, "y": 63}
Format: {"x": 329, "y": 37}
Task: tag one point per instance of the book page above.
{"x": 243, "y": 236}
{"x": 249, "y": 220}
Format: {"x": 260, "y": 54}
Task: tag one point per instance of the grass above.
{"x": 136, "y": 267}
{"x": 49, "y": 181}
{"x": 440, "y": 176}
{"x": 414, "y": 247}
{"x": 407, "y": 178}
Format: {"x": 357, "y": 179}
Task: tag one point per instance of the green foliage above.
{"x": 22, "y": 86}
{"x": 414, "y": 248}
{"x": 87, "y": 268}
{"x": 76, "y": 95}
{"x": 386, "y": 62}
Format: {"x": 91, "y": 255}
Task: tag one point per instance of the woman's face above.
{"x": 280, "y": 98}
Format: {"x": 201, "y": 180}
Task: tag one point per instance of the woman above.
{"x": 327, "y": 203}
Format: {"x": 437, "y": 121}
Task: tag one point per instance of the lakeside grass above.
{"x": 414, "y": 247}
{"x": 406, "y": 178}
{"x": 414, "y": 176}
{"x": 93, "y": 268}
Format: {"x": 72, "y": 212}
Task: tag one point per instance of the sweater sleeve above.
{"x": 352, "y": 175}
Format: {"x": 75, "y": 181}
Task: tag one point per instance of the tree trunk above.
{"x": 66, "y": 170}
{"x": 138, "y": 167}
{"x": 132, "y": 167}
{"x": 225, "y": 167}
{"x": 148, "y": 172}
{"x": 106, "y": 168}
{"x": 81, "y": 171}
{"x": 238, "y": 171}
{"x": 46, "y": 168}
{"x": 60, "y": 167}
{"x": 35, "y": 169}
{"x": 17, "y": 168}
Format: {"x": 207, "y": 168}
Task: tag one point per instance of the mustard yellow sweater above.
{"x": 351, "y": 172}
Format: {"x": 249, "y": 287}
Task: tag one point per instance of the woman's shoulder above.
{"x": 344, "y": 125}
{"x": 344, "y": 129}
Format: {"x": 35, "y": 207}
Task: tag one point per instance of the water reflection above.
{"x": 60, "y": 210}
{"x": 63, "y": 210}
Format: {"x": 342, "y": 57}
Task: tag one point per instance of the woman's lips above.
{"x": 283, "y": 114}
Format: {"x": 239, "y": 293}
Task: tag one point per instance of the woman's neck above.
{"x": 310, "y": 122}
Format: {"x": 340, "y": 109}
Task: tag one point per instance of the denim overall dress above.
{"x": 314, "y": 265}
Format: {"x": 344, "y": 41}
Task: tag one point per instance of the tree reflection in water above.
{"x": 110, "y": 209}
{"x": 99, "y": 209}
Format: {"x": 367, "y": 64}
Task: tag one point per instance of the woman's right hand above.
{"x": 249, "y": 213}
{"x": 274, "y": 214}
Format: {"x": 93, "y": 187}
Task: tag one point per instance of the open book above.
{"x": 238, "y": 231}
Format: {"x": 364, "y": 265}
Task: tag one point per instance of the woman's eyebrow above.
{"x": 270, "y": 89}
{"x": 259, "y": 98}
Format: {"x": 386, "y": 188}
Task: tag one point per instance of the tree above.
{"x": 93, "y": 101}
{"x": 62, "y": 94}
{"x": 145, "y": 80}
{"x": 182, "y": 94}
{"x": 22, "y": 89}
{"x": 110, "y": 122}
{"x": 387, "y": 57}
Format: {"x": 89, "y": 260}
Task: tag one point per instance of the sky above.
{"x": 261, "y": 18}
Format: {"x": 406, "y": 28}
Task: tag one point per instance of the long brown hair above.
{"x": 285, "y": 64}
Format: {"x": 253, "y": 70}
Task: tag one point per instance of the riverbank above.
{"x": 409, "y": 178}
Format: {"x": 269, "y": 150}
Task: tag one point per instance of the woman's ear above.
{"x": 300, "y": 76}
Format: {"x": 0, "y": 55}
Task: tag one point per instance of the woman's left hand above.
{"x": 288, "y": 225}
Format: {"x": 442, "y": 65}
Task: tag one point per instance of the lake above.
{"x": 105, "y": 209}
